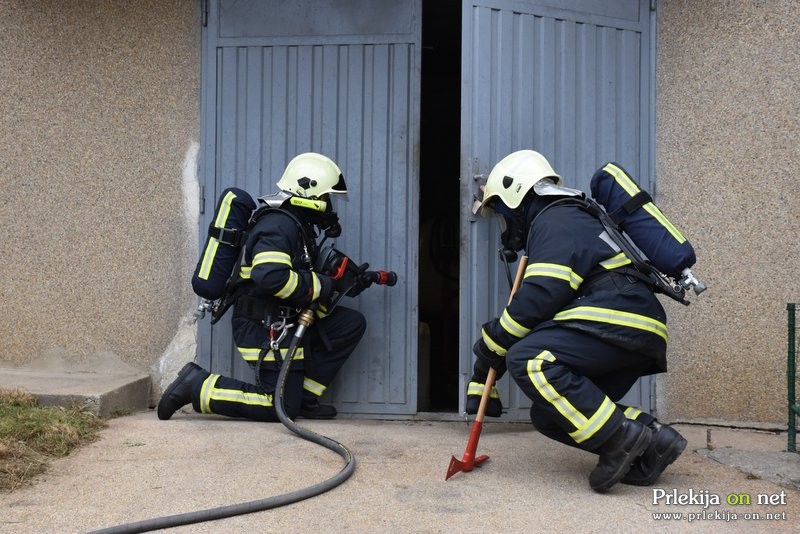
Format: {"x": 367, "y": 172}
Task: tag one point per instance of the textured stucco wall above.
{"x": 100, "y": 108}
{"x": 728, "y": 91}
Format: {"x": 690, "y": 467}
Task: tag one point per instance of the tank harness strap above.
{"x": 227, "y": 236}
{"x": 631, "y": 273}
{"x": 260, "y": 309}
{"x": 629, "y": 206}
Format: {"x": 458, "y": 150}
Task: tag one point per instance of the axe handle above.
{"x": 490, "y": 376}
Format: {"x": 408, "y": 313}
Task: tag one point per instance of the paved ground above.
{"x": 143, "y": 468}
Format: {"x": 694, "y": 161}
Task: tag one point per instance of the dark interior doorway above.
{"x": 440, "y": 126}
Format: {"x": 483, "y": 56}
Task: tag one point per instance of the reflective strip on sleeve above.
{"x": 630, "y": 187}
{"x": 585, "y": 427}
{"x": 316, "y": 286}
{"x": 632, "y": 413}
{"x": 322, "y": 311}
{"x": 553, "y": 270}
{"x": 513, "y": 327}
{"x": 272, "y": 256}
{"x": 494, "y": 347}
{"x": 476, "y": 388}
{"x": 615, "y": 262}
{"x": 620, "y": 318}
{"x": 289, "y": 287}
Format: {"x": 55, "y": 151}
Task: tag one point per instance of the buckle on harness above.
{"x": 282, "y": 329}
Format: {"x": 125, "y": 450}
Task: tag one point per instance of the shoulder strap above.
{"x": 263, "y": 210}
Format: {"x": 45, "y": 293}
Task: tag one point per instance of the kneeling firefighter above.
{"x": 276, "y": 279}
{"x": 579, "y": 331}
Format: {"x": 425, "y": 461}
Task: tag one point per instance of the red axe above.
{"x": 469, "y": 461}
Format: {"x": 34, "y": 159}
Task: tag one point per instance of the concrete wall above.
{"x": 727, "y": 156}
{"x": 100, "y": 114}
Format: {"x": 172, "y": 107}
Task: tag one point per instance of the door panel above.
{"x": 340, "y": 78}
{"x": 571, "y": 80}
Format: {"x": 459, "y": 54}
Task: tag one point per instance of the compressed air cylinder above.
{"x": 221, "y": 249}
{"x": 637, "y": 215}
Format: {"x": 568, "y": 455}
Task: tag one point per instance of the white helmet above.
{"x": 516, "y": 174}
{"x": 312, "y": 175}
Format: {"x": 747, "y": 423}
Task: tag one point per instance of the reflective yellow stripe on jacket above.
{"x": 251, "y": 355}
{"x": 615, "y": 317}
{"x": 553, "y": 270}
{"x": 615, "y": 261}
{"x": 265, "y": 257}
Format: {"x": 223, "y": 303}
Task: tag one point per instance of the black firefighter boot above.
{"x": 618, "y": 453}
{"x": 312, "y": 409}
{"x": 665, "y": 448}
{"x": 179, "y": 393}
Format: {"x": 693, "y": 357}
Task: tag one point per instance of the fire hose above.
{"x": 305, "y": 320}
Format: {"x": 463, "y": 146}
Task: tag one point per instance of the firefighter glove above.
{"x": 494, "y": 408}
{"x": 340, "y": 285}
{"x": 487, "y": 358}
{"x": 361, "y": 281}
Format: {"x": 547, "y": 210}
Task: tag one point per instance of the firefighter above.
{"x": 580, "y": 330}
{"x": 275, "y": 282}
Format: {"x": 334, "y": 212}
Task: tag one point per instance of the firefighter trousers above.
{"x": 575, "y": 381}
{"x": 326, "y": 346}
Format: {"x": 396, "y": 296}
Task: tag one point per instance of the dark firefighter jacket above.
{"x": 276, "y": 274}
{"x": 568, "y": 283}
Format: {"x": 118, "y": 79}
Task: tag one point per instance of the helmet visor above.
{"x": 496, "y": 208}
{"x": 484, "y": 208}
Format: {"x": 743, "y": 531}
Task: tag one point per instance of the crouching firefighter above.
{"x": 276, "y": 279}
{"x": 580, "y": 330}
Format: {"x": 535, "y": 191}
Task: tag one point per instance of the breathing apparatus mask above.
{"x": 512, "y": 229}
{"x": 317, "y": 211}
{"x": 326, "y": 219}
{"x": 512, "y": 224}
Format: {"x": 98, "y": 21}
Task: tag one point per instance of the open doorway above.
{"x": 440, "y": 124}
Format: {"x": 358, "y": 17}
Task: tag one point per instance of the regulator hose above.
{"x": 221, "y": 512}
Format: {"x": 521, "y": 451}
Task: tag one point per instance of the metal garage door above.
{"x": 572, "y": 79}
{"x": 340, "y": 77}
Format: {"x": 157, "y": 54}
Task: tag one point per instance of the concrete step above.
{"x": 101, "y": 394}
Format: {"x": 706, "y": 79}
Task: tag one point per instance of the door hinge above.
{"x": 652, "y": 5}
{"x": 202, "y": 199}
{"x": 204, "y": 12}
